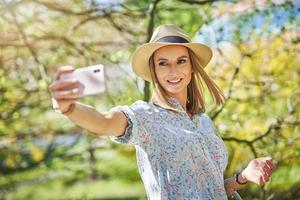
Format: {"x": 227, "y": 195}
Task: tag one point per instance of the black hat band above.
{"x": 173, "y": 39}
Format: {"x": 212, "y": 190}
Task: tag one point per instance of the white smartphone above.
{"x": 91, "y": 79}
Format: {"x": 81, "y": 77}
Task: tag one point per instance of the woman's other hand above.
{"x": 259, "y": 170}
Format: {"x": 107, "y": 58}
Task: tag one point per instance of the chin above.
{"x": 174, "y": 90}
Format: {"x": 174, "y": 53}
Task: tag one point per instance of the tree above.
{"x": 255, "y": 61}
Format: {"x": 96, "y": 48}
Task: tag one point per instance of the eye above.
{"x": 181, "y": 61}
{"x": 162, "y": 63}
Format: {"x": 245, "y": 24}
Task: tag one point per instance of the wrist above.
{"x": 68, "y": 111}
{"x": 240, "y": 179}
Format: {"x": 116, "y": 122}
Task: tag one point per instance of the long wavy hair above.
{"x": 195, "y": 98}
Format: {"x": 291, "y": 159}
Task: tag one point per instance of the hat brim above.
{"x": 140, "y": 58}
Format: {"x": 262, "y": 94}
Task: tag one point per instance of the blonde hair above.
{"x": 195, "y": 97}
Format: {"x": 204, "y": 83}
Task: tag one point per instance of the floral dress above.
{"x": 178, "y": 156}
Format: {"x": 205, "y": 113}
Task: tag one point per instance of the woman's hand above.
{"x": 64, "y": 92}
{"x": 259, "y": 170}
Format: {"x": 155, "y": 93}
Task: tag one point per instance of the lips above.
{"x": 174, "y": 81}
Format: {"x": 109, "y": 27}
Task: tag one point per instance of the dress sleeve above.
{"x": 136, "y": 132}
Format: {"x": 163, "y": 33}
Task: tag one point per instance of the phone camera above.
{"x": 96, "y": 70}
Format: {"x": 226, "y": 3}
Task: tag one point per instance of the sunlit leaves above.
{"x": 257, "y": 39}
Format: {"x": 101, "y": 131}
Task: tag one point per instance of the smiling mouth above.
{"x": 174, "y": 82}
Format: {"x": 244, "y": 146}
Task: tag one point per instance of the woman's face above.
{"x": 173, "y": 68}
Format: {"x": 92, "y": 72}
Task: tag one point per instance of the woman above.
{"x": 179, "y": 153}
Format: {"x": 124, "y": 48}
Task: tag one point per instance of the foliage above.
{"x": 256, "y": 63}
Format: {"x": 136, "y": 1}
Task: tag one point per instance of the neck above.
{"x": 182, "y": 98}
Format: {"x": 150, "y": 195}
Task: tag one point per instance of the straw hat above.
{"x": 167, "y": 34}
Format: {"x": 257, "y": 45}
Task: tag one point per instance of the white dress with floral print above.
{"x": 178, "y": 157}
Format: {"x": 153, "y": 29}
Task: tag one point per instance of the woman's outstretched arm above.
{"x": 108, "y": 123}
{"x": 65, "y": 94}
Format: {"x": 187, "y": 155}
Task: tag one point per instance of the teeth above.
{"x": 175, "y": 81}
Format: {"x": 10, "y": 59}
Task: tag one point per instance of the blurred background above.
{"x": 256, "y": 63}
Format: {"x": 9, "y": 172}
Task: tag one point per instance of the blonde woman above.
{"x": 179, "y": 152}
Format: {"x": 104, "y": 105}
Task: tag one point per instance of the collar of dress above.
{"x": 175, "y": 102}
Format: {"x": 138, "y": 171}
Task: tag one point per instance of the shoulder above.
{"x": 143, "y": 106}
{"x": 206, "y": 119}
{"x": 205, "y": 116}
{"x": 140, "y": 104}
{"x": 139, "y": 108}
{"x": 136, "y": 107}
{"x": 208, "y": 123}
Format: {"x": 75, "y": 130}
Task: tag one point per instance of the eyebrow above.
{"x": 167, "y": 59}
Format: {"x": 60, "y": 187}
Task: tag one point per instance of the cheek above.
{"x": 161, "y": 80}
{"x": 187, "y": 72}
{"x": 161, "y": 73}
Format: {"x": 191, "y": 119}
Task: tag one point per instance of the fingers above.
{"x": 64, "y": 92}
{"x": 262, "y": 176}
{"x": 67, "y": 101}
{"x": 263, "y": 167}
{"x": 63, "y": 84}
{"x": 267, "y": 161}
{"x": 268, "y": 169}
{"x": 263, "y": 180}
{"x": 266, "y": 177}
{"x": 271, "y": 164}
{"x": 267, "y": 172}
{"x": 63, "y": 70}
{"x": 67, "y": 94}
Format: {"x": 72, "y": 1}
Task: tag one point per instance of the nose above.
{"x": 173, "y": 70}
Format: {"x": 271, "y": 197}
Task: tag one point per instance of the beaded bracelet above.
{"x": 237, "y": 179}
